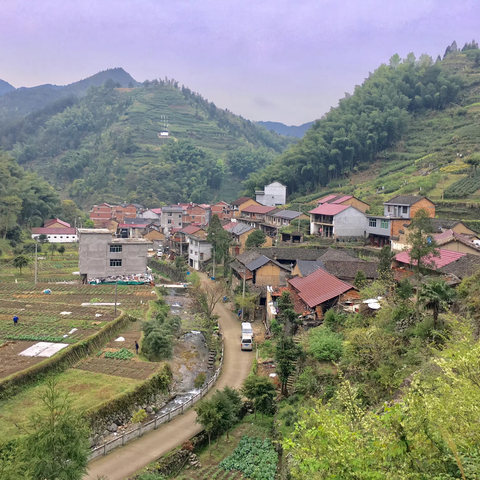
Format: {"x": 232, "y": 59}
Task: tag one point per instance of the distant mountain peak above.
{"x": 290, "y": 130}
{"x": 5, "y": 87}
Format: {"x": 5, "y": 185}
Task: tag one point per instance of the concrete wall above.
{"x": 195, "y": 250}
{"x": 58, "y": 238}
{"x": 174, "y": 217}
{"x": 150, "y": 214}
{"x": 274, "y": 194}
{"x": 378, "y": 230}
{"x": 95, "y": 255}
{"x": 349, "y": 223}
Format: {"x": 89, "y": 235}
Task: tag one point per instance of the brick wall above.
{"x": 426, "y": 204}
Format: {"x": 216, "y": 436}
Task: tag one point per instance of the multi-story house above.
{"x": 195, "y": 213}
{"x": 254, "y": 215}
{"x": 276, "y": 219}
{"x": 101, "y": 255}
{"x": 272, "y": 195}
{"x": 199, "y": 250}
{"x": 341, "y": 199}
{"x": 172, "y": 217}
{"x": 387, "y": 229}
{"x": 236, "y": 207}
{"x": 222, "y": 210}
{"x": 337, "y": 221}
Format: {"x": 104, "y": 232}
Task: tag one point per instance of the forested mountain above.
{"x": 290, "y": 130}
{"x": 19, "y": 102}
{"x": 25, "y": 198}
{"x": 395, "y": 103}
{"x": 5, "y": 87}
{"x": 107, "y": 145}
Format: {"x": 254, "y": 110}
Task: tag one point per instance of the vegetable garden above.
{"x": 58, "y": 316}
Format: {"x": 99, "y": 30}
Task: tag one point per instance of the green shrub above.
{"x": 325, "y": 345}
{"x": 200, "y": 380}
{"x": 139, "y": 416}
{"x": 158, "y": 344}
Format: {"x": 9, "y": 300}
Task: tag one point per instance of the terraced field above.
{"x": 58, "y": 317}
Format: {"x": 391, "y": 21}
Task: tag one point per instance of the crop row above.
{"x": 38, "y": 338}
{"x": 464, "y": 187}
{"x": 122, "y": 354}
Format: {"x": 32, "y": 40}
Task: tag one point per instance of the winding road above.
{"x": 126, "y": 460}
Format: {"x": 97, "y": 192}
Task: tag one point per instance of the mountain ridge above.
{"x": 18, "y": 102}
{"x": 289, "y": 130}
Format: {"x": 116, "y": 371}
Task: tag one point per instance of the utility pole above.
{"x": 213, "y": 262}
{"x": 300, "y": 212}
{"x": 116, "y": 286}
{"x": 243, "y": 294}
{"x": 36, "y": 251}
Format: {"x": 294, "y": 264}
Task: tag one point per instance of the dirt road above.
{"x": 126, "y": 460}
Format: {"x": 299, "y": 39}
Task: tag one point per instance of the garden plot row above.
{"x": 128, "y": 368}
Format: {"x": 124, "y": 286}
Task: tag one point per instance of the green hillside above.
{"x": 410, "y": 142}
{"x": 106, "y": 146}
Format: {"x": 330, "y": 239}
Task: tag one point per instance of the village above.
{"x": 315, "y": 256}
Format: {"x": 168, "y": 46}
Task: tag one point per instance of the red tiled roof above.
{"x": 241, "y": 201}
{"x": 190, "y": 230}
{"x": 56, "y": 220}
{"x": 329, "y": 209}
{"x": 258, "y": 209}
{"x": 229, "y": 226}
{"x": 158, "y": 211}
{"x": 54, "y": 231}
{"x": 327, "y": 199}
{"x": 342, "y": 199}
{"x": 319, "y": 287}
{"x": 446, "y": 257}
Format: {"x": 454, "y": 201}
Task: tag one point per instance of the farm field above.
{"x": 211, "y": 469}
{"x": 85, "y": 389}
{"x": 57, "y": 317}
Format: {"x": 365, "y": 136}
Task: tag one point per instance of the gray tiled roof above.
{"x": 288, "y": 214}
{"x": 259, "y": 262}
{"x": 241, "y": 228}
{"x": 307, "y": 267}
{"x": 340, "y": 255}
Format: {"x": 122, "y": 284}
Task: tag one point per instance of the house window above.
{"x": 179, "y": 216}
{"x": 201, "y": 256}
{"x": 389, "y": 209}
{"x": 372, "y": 222}
{"x": 115, "y": 262}
{"x": 404, "y": 209}
{"x": 115, "y": 248}
{"x": 191, "y": 251}
{"x": 169, "y": 214}
{"x": 169, "y": 222}
{"x": 61, "y": 237}
{"x": 384, "y": 224}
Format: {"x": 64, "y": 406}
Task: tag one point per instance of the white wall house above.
{"x": 337, "y": 221}
{"x": 152, "y": 214}
{"x": 272, "y": 195}
{"x": 199, "y": 251}
{"x": 56, "y": 235}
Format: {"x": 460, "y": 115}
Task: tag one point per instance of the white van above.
{"x": 247, "y": 328}
{"x": 247, "y": 342}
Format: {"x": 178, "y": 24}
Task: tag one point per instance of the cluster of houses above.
{"x": 316, "y": 278}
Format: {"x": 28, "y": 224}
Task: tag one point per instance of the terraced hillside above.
{"x": 438, "y": 156}
{"x": 108, "y": 145}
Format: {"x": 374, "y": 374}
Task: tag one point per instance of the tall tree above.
{"x": 256, "y": 239}
{"x": 261, "y": 392}
{"x": 21, "y": 261}
{"x": 208, "y": 416}
{"x": 423, "y": 249}
{"x": 218, "y": 238}
{"x": 58, "y": 447}
{"x": 286, "y": 353}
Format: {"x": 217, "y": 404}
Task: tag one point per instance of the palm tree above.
{"x": 436, "y": 296}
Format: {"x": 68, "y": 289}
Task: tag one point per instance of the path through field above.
{"x": 125, "y": 461}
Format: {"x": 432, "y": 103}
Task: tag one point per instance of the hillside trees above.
{"x": 364, "y": 124}
{"x": 25, "y": 199}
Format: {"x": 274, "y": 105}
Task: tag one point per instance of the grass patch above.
{"x": 85, "y": 389}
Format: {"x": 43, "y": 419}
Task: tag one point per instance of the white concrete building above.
{"x": 56, "y": 235}
{"x": 337, "y": 221}
{"x": 272, "y": 195}
{"x": 152, "y": 214}
{"x": 199, "y": 250}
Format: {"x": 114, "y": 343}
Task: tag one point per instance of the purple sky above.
{"x": 279, "y": 60}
